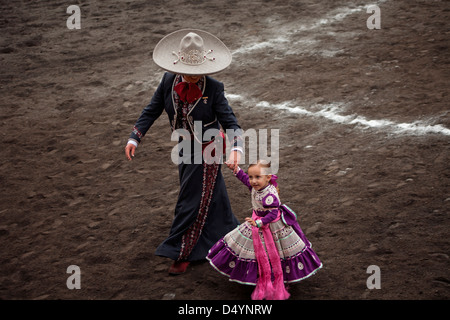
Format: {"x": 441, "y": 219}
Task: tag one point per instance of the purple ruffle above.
{"x": 301, "y": 266}
{"x": 224, "y": 260}
{"x": 296, "y": 268}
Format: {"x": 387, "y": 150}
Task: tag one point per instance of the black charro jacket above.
{"x": 212, "y": 109}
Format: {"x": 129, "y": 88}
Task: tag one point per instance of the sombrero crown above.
{"x": 191, "y": 52}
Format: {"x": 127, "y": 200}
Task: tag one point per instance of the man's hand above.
{"x": 130, "y": 149}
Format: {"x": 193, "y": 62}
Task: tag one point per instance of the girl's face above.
{"x": 257, "y": 180}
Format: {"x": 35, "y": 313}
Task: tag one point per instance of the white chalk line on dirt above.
{"x": 284, "y": 40}
{"x": 332, "y": 113}
{"x": 286, "y": 43}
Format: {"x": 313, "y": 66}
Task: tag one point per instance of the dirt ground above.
{"x": 365, "y": 194}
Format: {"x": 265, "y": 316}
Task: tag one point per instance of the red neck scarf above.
{"x": 188, "y": 92}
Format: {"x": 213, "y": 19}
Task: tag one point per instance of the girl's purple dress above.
{"x": 234, "y": 254}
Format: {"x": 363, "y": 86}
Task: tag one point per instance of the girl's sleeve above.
{"x": 272, "y": 203}
{"x": 241, "y": 175}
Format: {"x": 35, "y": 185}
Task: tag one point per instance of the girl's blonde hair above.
{"x": 265, "y": 165}
{"x": 261, "y": 163}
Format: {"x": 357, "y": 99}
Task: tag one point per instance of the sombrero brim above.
{"x": 164, "y": 57}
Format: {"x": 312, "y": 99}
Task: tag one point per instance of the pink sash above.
{"x": 265, "y": 289}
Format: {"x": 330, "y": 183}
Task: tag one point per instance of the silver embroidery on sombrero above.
{"x": 193, "y": 57}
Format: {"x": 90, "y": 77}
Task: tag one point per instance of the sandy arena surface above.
{"x": 364, "y": 125}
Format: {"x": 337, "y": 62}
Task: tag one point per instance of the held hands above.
{"x": 233, "y": 161}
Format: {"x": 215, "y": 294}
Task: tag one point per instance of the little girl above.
{"x": 268, "y": 249}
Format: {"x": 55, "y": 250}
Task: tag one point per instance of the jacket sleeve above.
{"x": 150, "y": 113}
{"x": 226, "y": 117}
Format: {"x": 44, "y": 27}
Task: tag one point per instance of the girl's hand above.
{"x": 130, "y": 149}
{"x": 251, "y": 221}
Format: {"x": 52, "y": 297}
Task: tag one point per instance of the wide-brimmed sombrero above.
{"x": 191, "y": 52}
